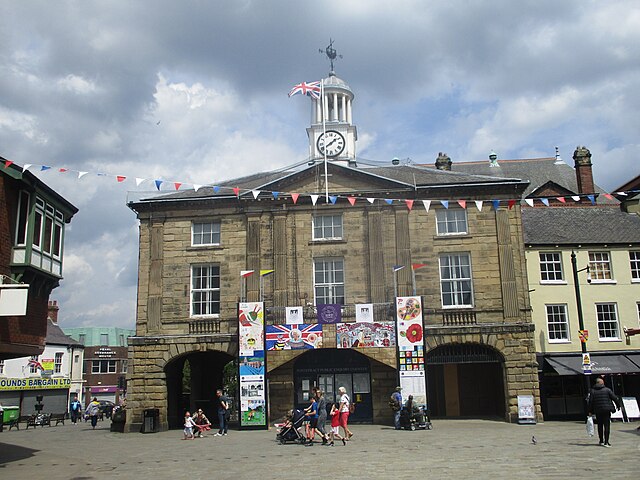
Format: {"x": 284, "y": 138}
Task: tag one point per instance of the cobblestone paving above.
{"x": 457, "y": 449}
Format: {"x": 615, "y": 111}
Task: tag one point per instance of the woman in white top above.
{"x": 344, "y": 412}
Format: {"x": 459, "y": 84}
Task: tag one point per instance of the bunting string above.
{"x": 164, "y": 185}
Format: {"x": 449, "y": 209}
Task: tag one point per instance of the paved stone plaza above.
{"x": 453, "y": 449}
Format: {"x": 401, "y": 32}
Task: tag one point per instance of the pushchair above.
{"x": 413, "y": 417}
{"x": 290, "y": 429}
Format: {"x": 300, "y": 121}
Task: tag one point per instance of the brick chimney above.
{"x": 584, "y": 175}
{"x": 443, "y": 162}
{"x": 53, "y": 311}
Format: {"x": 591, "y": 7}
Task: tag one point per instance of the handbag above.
{"x": 590, "y": 427}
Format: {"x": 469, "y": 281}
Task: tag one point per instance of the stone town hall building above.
{"x": 479, "y": 344}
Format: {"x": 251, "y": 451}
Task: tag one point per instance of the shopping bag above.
{"x": 590, "y": 428}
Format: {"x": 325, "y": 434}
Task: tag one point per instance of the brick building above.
{"x": 335, "y": 235}
{"x": 32, "y": 223}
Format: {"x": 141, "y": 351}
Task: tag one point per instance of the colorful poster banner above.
{"x": 251, "y": 365}
{"x": 294, "y": 315}
{"x": 586, "y": 364}
{"x": 251, "y": 327}
{"x": 360, "y": 335}
{"x": 294, "y": 337}
{"x": 364, "y": 312}
{"x": 410, "y": 338}
{"x": 329, "y": 313}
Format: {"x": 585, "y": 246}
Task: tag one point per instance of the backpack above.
{"x": 394, "y": 403}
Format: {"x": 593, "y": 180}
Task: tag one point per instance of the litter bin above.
{"x": 8, "y": 414}
{"x": 151, "y": 423}
{"x": 118, "y": 419}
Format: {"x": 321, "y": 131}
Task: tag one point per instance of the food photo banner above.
{"x": 251, "y": 365}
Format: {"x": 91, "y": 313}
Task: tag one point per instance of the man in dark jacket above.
{"x": 601, "y": 402}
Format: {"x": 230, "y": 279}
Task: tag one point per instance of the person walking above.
{"x": 312, "y": 415}
{"x": 75, "y": 410}
{"x": 93, "y": 409}
{"x": 223, "y": 413}
{"x": 396, "y": 406}
{"x": 322, "y": 415}
{"x": 345, "y": 401}
{"x": 335, "y": 425}
{"x": 189, "y": 425}
{"x": 603, "y": 402}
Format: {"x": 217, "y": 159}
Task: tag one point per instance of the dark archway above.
{"x": 331, "y": 368}
{"x": 465, "y": 380}
{"x": 206, "y": 370}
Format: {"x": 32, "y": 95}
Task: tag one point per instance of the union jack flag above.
{"x": 306, "y": 88}
{"x": 35, "y": 363}
{"x": 293, "y": 337}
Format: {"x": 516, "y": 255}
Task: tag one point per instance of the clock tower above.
{"x": 331, "y": 130}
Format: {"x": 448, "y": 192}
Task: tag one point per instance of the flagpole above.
{"x": 413, "y": 280}
{"x": 324, "y": 136}
{"x": 395, "y": 283}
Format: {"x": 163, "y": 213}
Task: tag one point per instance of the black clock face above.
{"x": 331, "y": 141}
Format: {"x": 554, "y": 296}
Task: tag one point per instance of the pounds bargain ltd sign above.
{"x": 33, "y": 383}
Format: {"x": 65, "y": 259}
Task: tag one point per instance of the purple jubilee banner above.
{"x": 329, "y": 313}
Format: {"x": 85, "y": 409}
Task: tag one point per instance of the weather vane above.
{"x": 331, "y": 53}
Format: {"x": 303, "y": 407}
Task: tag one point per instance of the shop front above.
{"x": 25, "y": 392}
{"x": 563, "y": 388}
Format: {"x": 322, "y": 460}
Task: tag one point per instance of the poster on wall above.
{"x": 251, "y": 327}
{"x": 364, "y": 334}
{"x": 251, "y": 365}
{"x": 293, "y": 337}
{"x": 410, "y": 339}
{"x": 329, "y": 313}
{"x": 294, "y": 315}
{"x": 364, "y": 312}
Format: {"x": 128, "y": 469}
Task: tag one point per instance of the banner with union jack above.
{"x": 293, "y": 337}
{"x": 306, "y": 88}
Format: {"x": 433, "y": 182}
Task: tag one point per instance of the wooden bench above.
{"x": 21, "y": 419}
{"x": 58, "y": 418}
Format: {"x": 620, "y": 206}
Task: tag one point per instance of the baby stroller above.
{"x": 289, "y": 430}
{"x": 413, "y": 417}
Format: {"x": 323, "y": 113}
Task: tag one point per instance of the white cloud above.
{"x": 77, "y": 84}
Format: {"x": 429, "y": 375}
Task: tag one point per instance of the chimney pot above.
{"x": 443, "y": 162}
{"x": 584, "y": 173}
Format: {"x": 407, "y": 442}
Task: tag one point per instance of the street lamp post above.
{"x": 576, "y": 283}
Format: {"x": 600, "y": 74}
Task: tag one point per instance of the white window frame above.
{"x": 103, "y": 337}
{"x": 111, "y": 366}
{"x": 22, "y": 217}
{"x": 557, "y": 316}
{"x": 451, "y": 221}
{"x": 331, "y": 287}
{"x": 458, "y": 281}
{"x": 600, "y": 319}
{"x": 206, "y": 238}
{"x": 327, "y": 227}
{"x": 600, "y": 268}
{"x": 634, "y": 264}
{"x": 124, "y": 366}
{"x": 555, "y": 263}
{"x": 57, "y": 365}
{"x": 210, "y": 290}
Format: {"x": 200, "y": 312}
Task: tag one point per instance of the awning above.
{"x": 635, "y": 358}
{"x": 600, "y": 364}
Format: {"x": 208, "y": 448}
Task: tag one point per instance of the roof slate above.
{"x": 579, "y": 225}
{"x": 55, "y": 336}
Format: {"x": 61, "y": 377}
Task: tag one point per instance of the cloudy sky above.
{"x": 196, "y": 92}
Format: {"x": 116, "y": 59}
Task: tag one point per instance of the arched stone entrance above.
{"x": 465, "y": 380}
{"x": 192, "y": 380}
